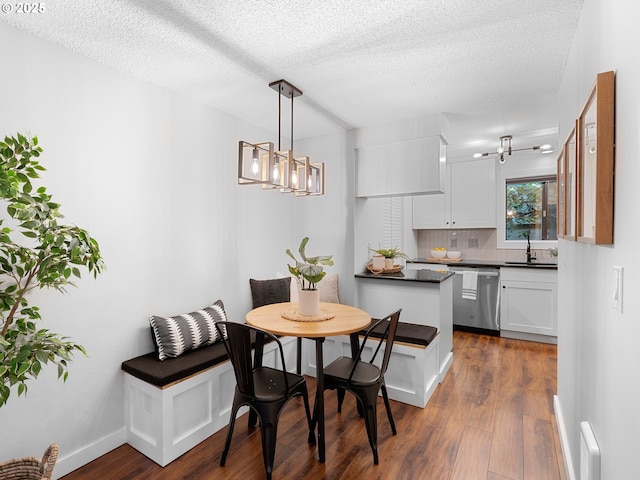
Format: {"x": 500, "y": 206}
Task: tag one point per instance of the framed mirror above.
{"x": 561, "y": 199}
{"x": 570, "y": 155}
{"x": 596, "y": 163}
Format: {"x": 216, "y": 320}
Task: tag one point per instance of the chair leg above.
{"x": 227, "y": 442}
{"x": 310, "y": 421}
{"x": 369, "y": 406}
{"x": 253, "y": 418}
{"x": 388, "y": 407}
{"x": 299, "y": 356}
{"x": 341, "y": 393}
{"x": 269, "y": 433}
{"x": 314, "y": 421}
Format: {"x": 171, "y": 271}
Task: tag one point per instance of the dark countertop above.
{"x": 428, "y": 276}
{"x": 487, "y": 263}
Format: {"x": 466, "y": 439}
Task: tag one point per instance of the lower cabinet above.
{"x": 528, "y": 304}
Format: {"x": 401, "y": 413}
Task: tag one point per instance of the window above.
{"x": 531, "y": 206}
{"x": 392, "y": 217}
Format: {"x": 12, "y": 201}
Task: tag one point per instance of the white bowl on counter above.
{"x": 453, "y": 254}
{"x": 438, "y": 253}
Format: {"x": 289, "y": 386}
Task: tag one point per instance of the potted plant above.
{"x": 389, "y": 255}
{"x": 47, "y": 256}
{"x": 311, "y": 270}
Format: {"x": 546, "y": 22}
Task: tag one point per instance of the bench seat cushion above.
{"x": 161, "y": 373}
{"x": 407, "y": 333}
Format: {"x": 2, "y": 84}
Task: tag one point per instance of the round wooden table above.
{"x": 347, "y": 321}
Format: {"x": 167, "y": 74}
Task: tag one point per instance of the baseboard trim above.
{"x": 564, "y": 440}
{"x": 74, "y": 460}
{"x": 444, "y": 366}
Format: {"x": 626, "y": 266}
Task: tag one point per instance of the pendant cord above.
{"x": 279, "y": 120}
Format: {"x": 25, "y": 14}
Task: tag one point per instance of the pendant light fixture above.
{"x": 505, "y": 148}
{"x": 261, "y": 164}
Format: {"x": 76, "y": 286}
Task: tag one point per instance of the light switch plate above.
{"x": 618, "y": 285}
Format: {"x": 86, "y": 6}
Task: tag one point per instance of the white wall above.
{"x": 598, "y": 354}
{"x": 152, "y": 176}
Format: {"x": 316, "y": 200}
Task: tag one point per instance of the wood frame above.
{"x": 596, "y": 154}
{"x": 561, "y": 195}
{"x": 570, "y": 157}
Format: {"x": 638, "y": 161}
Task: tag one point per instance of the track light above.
{"x": 505, "y": 149}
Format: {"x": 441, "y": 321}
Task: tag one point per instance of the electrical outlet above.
{"x": 454, "y": 242}
{"x": 473, "y": 243}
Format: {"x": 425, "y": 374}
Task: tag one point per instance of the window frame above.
{"x": 544, "y": 179}
{"x": 542, "y": 166}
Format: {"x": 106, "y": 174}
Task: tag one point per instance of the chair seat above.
{"x": 364, "y": 374}
{"x": 269, "y": 383}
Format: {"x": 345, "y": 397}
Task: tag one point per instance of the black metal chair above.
{"x": 364, "y": 380}
{"x": 264, "y": 390}
{"x": 276, "y": 290}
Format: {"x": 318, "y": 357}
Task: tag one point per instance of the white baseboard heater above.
{"x": 589, "y": 454}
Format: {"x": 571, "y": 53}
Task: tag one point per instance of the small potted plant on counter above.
{"x": 389, "y": 255}
{"x": 311, "y": 270}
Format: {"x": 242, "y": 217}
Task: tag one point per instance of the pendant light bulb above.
{"x": 276, "y": 171}
{"x": 294, "y": 179}
{"x": 255, "y": 168}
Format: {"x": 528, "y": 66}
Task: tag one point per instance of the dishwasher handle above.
{"x": 480, "y": 274}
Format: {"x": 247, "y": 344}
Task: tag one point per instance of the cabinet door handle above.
{"x": 504, "y": 286}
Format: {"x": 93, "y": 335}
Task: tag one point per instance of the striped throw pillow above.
{"x": 178, "y": 334}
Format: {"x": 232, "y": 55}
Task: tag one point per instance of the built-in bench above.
{"x": 174, "y": 404}
{"x": 413, "y": 372}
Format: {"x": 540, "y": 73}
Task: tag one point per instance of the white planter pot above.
{"x": 309, "y": 302}
{"x": 377, "y": 262}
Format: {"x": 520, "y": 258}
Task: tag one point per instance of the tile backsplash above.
{"x": 475, "y": 244}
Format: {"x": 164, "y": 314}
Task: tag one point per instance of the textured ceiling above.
{"x": 492, "y": 67}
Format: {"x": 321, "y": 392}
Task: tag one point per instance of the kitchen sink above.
{"x": 532, "y": 264}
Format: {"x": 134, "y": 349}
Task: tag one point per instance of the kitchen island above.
{"x": 425, "y": 296}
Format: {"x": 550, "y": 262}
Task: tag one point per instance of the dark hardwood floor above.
{"x": 492, "y": 419}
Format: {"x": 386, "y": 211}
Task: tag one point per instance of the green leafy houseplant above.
{"x": 390, "y": 253}
{"x": 310, "y": 268}
{"x": 47, "y": 255}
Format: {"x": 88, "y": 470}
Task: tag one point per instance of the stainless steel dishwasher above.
{"x": 481, "y": 315}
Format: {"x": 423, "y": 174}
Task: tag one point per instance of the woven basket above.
{"x": 30, "y": 468}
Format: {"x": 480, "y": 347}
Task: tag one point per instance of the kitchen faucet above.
{"x": 529, "y": 257}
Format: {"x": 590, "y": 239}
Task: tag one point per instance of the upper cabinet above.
{"x": 404, "y": 168}
{"x": 469, "y": 201}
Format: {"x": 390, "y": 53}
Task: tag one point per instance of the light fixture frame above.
{"x": 288, "y": 166}
{"x": 264, "y": 161}
{"x": 506, "y": 148}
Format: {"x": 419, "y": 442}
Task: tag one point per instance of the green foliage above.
{"x": 48, "y": 255}
{"x": 524, "y": 207}
{"x": 390, "y": 252}
{"x": 310, "y": 268}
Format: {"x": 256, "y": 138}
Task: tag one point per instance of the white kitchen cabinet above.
{"x": 402, "y": 168}
{"x": 469, "y": 202}
{"x": 528, "y": 303}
